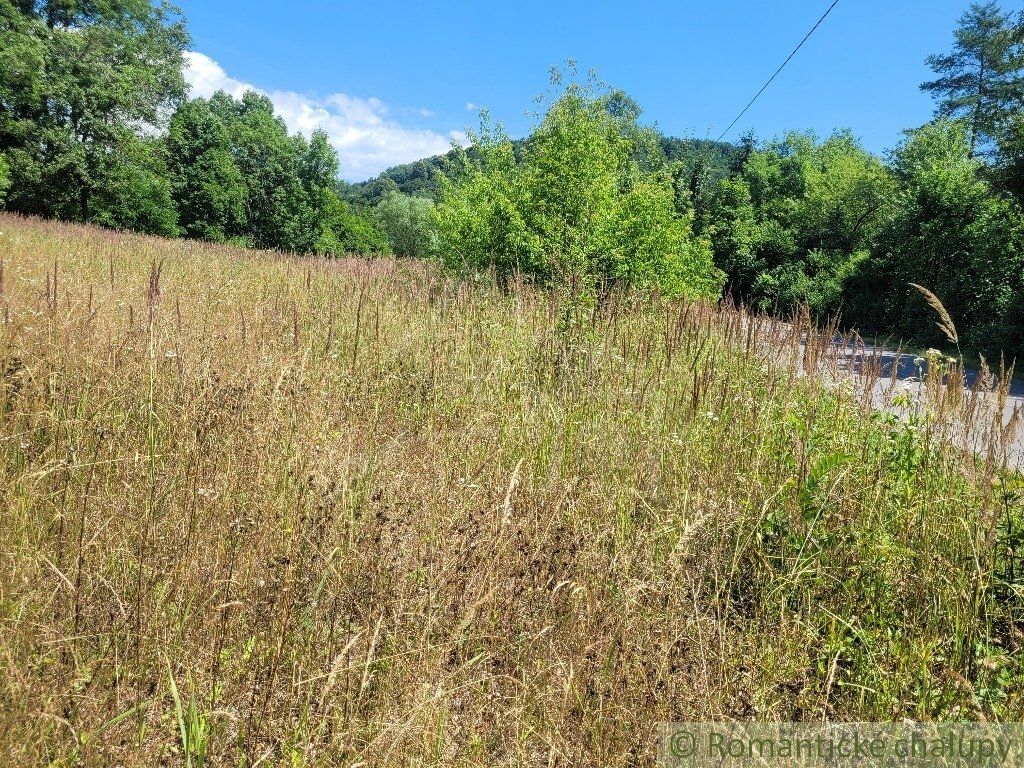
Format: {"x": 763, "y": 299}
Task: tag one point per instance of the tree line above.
{"x": 829, "y": 224}
{"x": 796, "y": 221}
{"x": 96, "y": 125}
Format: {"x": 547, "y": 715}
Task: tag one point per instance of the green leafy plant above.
{"x": 587, "y": 207}
{"x": 192, "y": 727}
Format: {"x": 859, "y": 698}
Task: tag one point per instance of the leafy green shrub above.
{"x": 653, "y": 246}
{"x": 480, "y": 215}
{"x": 347, "y": 231}
{"x": 408, "y": 223}
{"x": 582, "y": 209}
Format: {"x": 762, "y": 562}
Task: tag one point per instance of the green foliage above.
{"x": 1008, "y": 173}
{"x": 237, "y": 175}
{"x": 795, "y": 222}
{"x": 408, "y": 224}
{"x": 587, "y": 206}
{"x": 480, "y": 212}
{"x": 193, "y": 726}
{"x": 980, "y": 79}
{"x": 731, "y": 222}
{"x": 950, "y": 232}
{"x": 23, "y": 54}
{"x": 846, "y": 190}
{"x": 572, "y": 174}
{"x": 207, "y": 186}
{"x": 418, "y": 179}
{"x": 317, "y": 166}
{"x": 77, "y": 81}
{"x": 269, "y": 161}
{"x": 701, "y": 163}
{"x": 653, "y": 246}
{"x": 346, "y": 231}
{"x": 137, "y": 194}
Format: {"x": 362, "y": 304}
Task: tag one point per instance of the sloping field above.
{"x": 256, "y": 509}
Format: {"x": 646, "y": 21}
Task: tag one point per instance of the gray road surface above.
{"x": 899, "y": 372}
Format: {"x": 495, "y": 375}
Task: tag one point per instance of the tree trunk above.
{"x": 975, "y": 122}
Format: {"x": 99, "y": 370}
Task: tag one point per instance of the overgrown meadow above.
{"x": 259, "y": 510}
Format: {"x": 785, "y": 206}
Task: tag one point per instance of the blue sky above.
{"x": 392, "y": 82}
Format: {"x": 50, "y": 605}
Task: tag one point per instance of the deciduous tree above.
{"x": 208, "y": 189}
{"x": 79, "y": 84}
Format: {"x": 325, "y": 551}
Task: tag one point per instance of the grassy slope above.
{"x": 356, "y": 512}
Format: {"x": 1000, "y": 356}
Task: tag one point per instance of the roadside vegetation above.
{"x": 520, "y": 481}
{"x": 262, "y": 509}
{"x": 582, "y": 209}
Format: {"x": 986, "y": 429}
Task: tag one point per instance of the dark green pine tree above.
{"x": 980, "y": 80}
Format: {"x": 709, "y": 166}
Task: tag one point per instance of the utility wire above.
{"x": 779, "y": 70}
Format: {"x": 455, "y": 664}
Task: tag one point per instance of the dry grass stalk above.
{"x": 351, "y": 512}
{"x": 945, "y": 323}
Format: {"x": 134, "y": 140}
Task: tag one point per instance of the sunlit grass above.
{"x": 258, "y": 508}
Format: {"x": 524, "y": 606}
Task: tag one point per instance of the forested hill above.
{"x": 418, "y": 178}
{"x": 715, "y": 159}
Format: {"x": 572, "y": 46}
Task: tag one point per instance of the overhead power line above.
{"x": 779, "y": 70}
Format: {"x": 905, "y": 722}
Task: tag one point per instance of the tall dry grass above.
{"x": 257, "y": 510}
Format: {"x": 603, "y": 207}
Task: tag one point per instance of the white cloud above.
{"x": 470, "y": 106}
{"x": 205, "y": 77}
{"x": 366, "y": 140}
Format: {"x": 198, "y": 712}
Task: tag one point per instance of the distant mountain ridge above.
{"x": 420, "y": 178}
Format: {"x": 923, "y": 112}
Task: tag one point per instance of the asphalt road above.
{"x": 890, "y": 372}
